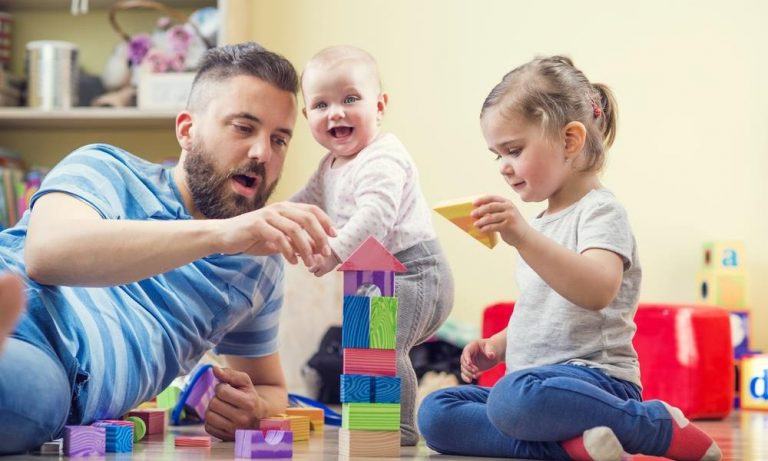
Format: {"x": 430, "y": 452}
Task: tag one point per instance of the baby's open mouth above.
{"x": 340, "y": 131}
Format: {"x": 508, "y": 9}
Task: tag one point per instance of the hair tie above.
{"x": 597, "y": 111}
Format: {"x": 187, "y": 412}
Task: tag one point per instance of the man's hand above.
{"x": 478, "y": 356}
{"x": 296, "y": 230}
{"x": 237, "y": 405}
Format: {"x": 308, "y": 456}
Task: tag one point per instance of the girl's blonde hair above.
{"x": 551, "y": 92}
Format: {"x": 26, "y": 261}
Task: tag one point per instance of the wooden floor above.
{"x": 741, "y": 436}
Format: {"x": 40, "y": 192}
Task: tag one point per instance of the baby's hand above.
{"x": 497, "y": 214}
{"x": 477, "y": 357}
{"x": 324, "y": 264}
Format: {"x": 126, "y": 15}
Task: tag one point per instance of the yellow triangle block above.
{"x": 457, "y": 212}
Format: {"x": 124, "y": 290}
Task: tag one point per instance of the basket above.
{"x": 173, "y": 13}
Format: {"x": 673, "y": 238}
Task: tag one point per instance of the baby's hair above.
{"x": 551, "y": 92}
{"x": 334, "y": 55}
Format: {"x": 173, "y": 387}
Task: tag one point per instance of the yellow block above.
{"x": 753, "y": 383}
{"x": 457, "y": 212}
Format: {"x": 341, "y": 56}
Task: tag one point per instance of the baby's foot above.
{"x": 689, "y": 443}
{"x": 596, "y": 444}
{"x": 11, "y": 304}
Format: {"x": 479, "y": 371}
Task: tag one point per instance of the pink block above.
{"x": 375, "y": 362}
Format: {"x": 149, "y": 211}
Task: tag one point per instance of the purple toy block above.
{"x": 84, "y": 440}
{"x": 253, "y": 444}
{"x": 203, "y": 392}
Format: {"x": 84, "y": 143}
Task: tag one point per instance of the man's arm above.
{"x": 68, "y": 243}
{"x": 251, "y": 389}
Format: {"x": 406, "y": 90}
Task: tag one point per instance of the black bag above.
{"x": 322, "y": 372}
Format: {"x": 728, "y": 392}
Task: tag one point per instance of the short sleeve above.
{"x": 256, "y": 334}
{"x": 605, "y": 225}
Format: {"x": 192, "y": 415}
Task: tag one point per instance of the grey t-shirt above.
{"x": 547, "y": 329}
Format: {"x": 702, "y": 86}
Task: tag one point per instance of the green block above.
{"x": 168, "y": 398}
{"x": 383, "y": 332}
{"x": 371, "y": 416}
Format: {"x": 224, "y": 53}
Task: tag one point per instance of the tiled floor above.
{"x": 741, "y": 436}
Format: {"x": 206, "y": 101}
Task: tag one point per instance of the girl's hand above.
{"x": 324, "y": 264}
{"x": 497, "y": 214}
{"x": 478, "y": 356}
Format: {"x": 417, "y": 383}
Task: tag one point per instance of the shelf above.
{"x": 65, "y": 5}
{"x": 85, "y": 117}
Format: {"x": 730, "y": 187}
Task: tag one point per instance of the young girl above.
{"x": 573, "y": 385}
{"x": 368, "y": 184}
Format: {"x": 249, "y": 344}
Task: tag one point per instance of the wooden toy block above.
{"x": 369, "y": 283}
{"x": 201, "y": 441}
{"x": 316, "y": 416}
{"x": 370, "y": 389}
{"x": 139, "y": 427}
{"x": 154, "y": 419}
{"x": 202, "y": 392}
{"x": 376, "y": 362}
{"x": 253, "y": 444}
{"x": 51, "y": 448}
{"x": 168, "y": 398}
{"x": 386, "y": 389}
{"x": 371, "y": 416}
{"x": 119, "y": 435}
{"x": 84, "y": 441}
{"x": 726, "y": 255}
{"x": 457, "y": 211}
{"x": 383, "y": 331}
{"x": 297, "y": 424}
{"x": 723, "y": 288}
{"x": 371, "y": 255}
{"x": 384, "y": 444}
{"x": 356, "y": 388}
{"x": 355, "y": 331}
{"x": 754, "y": 382}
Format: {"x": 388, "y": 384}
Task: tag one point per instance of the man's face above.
{"x": 238, "y": 146}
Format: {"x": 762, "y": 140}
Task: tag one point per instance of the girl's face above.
{"x": 535, "y": 166}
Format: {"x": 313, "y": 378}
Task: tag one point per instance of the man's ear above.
{"x": 184, "y": 130}
{"x": 574, "y": 136}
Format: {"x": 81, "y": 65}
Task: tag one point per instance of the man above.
{"x": 133, "y": 271}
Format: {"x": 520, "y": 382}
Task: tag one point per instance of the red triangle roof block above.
{"x": 372, "y": 256}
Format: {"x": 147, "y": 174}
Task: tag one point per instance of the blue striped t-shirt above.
{"x": 131, "y": 341}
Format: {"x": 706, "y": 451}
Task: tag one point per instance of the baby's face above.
{"x": 344, "y": 105}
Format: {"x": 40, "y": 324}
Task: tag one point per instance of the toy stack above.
{"x": 723, "y": 282}
{"x": 370, "y": 389}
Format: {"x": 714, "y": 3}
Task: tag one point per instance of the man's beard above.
{"x": 211, "y": 191}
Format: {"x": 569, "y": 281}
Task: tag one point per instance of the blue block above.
{"x": 386, "y": 389}
{"x": 119, "y": 438}
{"x": 356, "y": 388}
{"x": 355, "y": 329}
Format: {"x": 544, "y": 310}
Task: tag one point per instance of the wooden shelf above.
{"x": 64, "y": 5}
{"x": 85, "y": 117}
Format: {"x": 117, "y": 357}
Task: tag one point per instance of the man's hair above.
{"x": 249, "y": 58}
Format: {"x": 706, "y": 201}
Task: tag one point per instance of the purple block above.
{"x": 253, "y": 444}
{"x": 84, "y": 440}
{"x": 354, "y": 280}
{"x": 202, "y": 393}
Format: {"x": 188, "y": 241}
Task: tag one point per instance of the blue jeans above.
{"x": 528, "y": 412}
{"x": 35, "y": 397}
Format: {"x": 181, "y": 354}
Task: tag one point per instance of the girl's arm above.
{"x": 591, "y": 279}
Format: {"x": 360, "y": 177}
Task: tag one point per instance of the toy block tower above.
{"x": 723, "y": 282}
{"x": 370, "y": 389}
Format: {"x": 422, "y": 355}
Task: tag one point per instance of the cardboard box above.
{"x": 166, "y": 90}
